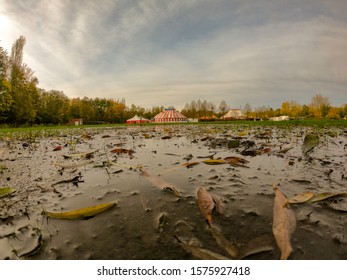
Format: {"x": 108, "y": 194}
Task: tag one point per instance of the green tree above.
{"x": 53, "y": 107}
{"x": 5, "y": 87}
{"x": 23, "y": 87}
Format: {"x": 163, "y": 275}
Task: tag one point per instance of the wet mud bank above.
{"x": 56, "y": 191}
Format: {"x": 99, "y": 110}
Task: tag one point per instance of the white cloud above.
{"x": 170, "y": 52}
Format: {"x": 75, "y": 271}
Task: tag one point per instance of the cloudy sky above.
{"x": 169, "y": 52}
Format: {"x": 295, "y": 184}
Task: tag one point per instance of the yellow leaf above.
{"x": 6, "y": 191}
{"x": 323, "y": 196}
{"x": 284, "y": 223}
{"x": 81, "y": 213}
{"x": 214, "y": 161}
{"x": 206, "y": 204}
{"x": 301, "y": 198}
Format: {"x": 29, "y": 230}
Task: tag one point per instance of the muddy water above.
{"x": 146, "y": 219}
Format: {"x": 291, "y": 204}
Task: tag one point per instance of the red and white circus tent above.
{"x": 137, "y": 119}
{"x": 170, "y": 115}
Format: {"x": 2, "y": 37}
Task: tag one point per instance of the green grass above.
{"x": 44, "y": 131}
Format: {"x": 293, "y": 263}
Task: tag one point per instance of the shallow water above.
{"x": 146, "y": 219}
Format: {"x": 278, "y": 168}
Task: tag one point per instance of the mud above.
{"x": 146, "y": 220}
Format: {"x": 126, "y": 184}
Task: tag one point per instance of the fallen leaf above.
{"x": 225, "y": 244}
{"x": 80, "y": 213}
{"x": 256, "y": 245}
{"x": 323, "y": 196}
{"x": 214, "y": 161}
{"x": 310, "y": 141}
{"x": 284, "y": 150}
{"x": 200, "y": 253}
{"x": 206, "y": 204}
{"x": 58, "y": 148}
{"x": 67, "y": 166}
{"x": 236, "y": 161}
{"x": 190, "y": 164}
{"x": 2, "y": 150}
{"x": 284, "y": 223}
{"x": 301, "y": 198}
{"x": 80, "y": 155}
{"x": 122, "y": 151}
{"x": 4, "y": 191}
{"x": 160, "y": 183}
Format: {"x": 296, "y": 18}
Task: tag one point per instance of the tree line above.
{"x": 23, "y": 102}
{"x": 319, "y": 107}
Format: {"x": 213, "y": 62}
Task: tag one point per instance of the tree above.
{"x": 319, "y": 106}
{"x": 5, "y": 87}
{"x": 53, "y": 107}
{"x": 23, "y": 87}
{"x": 223, "y": 107}
{"x": 247, "y": 109}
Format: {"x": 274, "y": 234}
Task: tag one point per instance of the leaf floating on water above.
{"x": 80, "y": 155}
{"x": 257, "y": 245}
{"x": 161, "y": 184}
{"x": 225, "y": 244}
{"x": 190, "y": 164}
{"x": 310, "y": 141}
{"x": 80, "y": 213}
{"x": 214, "y": 161}
{"x": 122, "y": 151}
{"x": 284, "y": 223}
{"x": 2, "y": 150}
{"x": 206, "y": 204}
{"x": 301, "y": 198}
{"x": 323, "y": 196}
{"x": 4, "y": 191}
{"x": 199, "y": 252}
{"x": 284, "y": 150}
{"x": 236, "y": 161}
{"x": 67, "y": 166}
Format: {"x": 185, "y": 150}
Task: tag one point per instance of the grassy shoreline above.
{"x": 321, "y": 123}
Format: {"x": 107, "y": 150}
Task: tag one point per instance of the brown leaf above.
{"x": 260, "y": 244}
{"x": 236, "y": 161}
{"x": 206, "y": 204}
{"x": 200, "y": 253}
{"x": 284, "y": 223}
{"x": 225, "y": 244}
{"x": 160, "y": 183}
{"x": 122, "y": 151}
{"x": 58, "y": 148}
{"x": 190, "y": 164}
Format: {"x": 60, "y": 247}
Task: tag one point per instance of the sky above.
{"x": 170, "y": 52}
